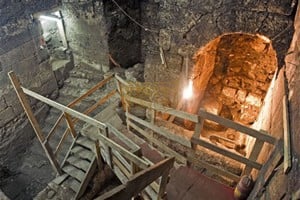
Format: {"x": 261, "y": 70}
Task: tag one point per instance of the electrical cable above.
{"x": 132, "y": 19}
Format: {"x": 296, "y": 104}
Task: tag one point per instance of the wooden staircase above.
{"x": 78, "y": 166}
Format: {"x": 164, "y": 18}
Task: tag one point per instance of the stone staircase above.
{"x": 81, "y": 78}
{"x": 79, "y": 166}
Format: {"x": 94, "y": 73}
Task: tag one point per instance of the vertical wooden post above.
{"x": 107, "y": 148}
{"x": 287, "y": 159}
{"x": 119, "y": 87}
{"x": 127, "y": 118}
{"x": 254, "y": 155}
{"x": 152, "y": 118}
{"x": 134, "y": 167}
{"x": 98, "y": 155}
{"x": 38, "y": 131}
{"x": 162, "y": 185}
{"x": 70, "y": 125}
{"x": 196, "y": 135}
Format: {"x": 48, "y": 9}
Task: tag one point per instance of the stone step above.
{"x": 83, "y": 153}
{"x": 79, "y": 163}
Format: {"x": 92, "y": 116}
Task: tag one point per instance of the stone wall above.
{"x": 20, "y": 51}
{"x": 182, "y": 27}
{"x": 98, "y": 30}
{"x": 86, "y": 32}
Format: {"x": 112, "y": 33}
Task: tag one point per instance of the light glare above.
{"x": 188, "y": 91}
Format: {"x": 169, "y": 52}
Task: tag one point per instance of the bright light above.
{"x": 188, "y": 91}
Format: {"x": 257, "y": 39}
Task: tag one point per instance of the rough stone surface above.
{"x": 182, "y": 27}
{"x": 86, "y": 31}
{"x": 20, "y": 37}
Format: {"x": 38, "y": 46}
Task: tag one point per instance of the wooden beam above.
{"x": 141, "y": 163}
{"x": 66, "y": 109}
{"x": 287, "y": 164}
{"x": 159, "y": 144}
{"x": 98, "y": 155}
{"x": 34, "y": 123}
{"x": 139, "y": 181}
{"x": 164, "y": 109}
{"x": 133, "y": 146}
{"x": 64, "y": 136}
{"x": 90, "y": 91}
{"x": 197, "y": 131}
{"x": 163, "y": 132}
{"x": 236, "y": 126}
{"x": 52, "y": 131}
{"x": 257, "y": 147}
{"x": 70, "y": 125}
{"x": 192, "y": 158}
{"x": 226, "y": 153}
{"x": 121, "y": 80}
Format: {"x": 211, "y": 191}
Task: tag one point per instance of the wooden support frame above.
{"x": 70, "y": 125}
{"x": 287, "y": 165}
{"x": 141, "y": 163}
{"x": 38, "y": 131}
{"x": 140, "y": 181}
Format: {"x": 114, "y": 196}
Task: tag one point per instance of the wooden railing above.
{"x": 125, "y": 162}
{"x": 191, "y": 144}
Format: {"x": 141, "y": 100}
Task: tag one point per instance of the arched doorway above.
{"x": 231, "y": 76}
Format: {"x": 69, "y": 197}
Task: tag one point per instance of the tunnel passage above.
{"x": 231, "y": 76}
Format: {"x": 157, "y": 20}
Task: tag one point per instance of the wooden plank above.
{"x": 99, "y": 103}
{"x": 82, "y": 153}
{"x": 227, "y": 153}
{"x": 66, "y": 109}
{"x": 218, "y": 171}
{"x": 171, "y": 136}
{"x": 58, "y": 180}
{"x": 123, "y": 137}
{"x": 139, "y": 181}
{"x": 121, "y": 80}
{"x": 122, "y": 159}
{"x": 70, "y": 125}
{"x": 268, "y": 169}
{"x": 164, "y": 109}
{"x": 68, "y": 152}
{"x": 52, "y": 131}
{"x": 90, "y": 91}
{"x": 159, "y": 144}
{"x": 287, "y": 164}
{"x": 236, "y": 126}
{"x": 98, "y": 155}
{"x": 179, "y": 106}
{"x": 122, "y": 168}
{"x": 93, "y": 122}
{"x": 72, "y": 183}
{"x": 74, "y": 172}
{"x": 36, "y": 127}
{"x": 79, "y": 163}
{"x": 197, "y": 132}
{"x": 86, "y": 142}
{"x": 107, "y": 148}
{"x": 119, "y": 174}
{"x": 88, "y": 176}
{"x": 64, "y": 136}
{"x": 257, "y": 147}
{"x": 162, "y": 185}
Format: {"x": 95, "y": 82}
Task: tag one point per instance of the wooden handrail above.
{"x": 97, "y": 104}
{"x": 236, "y": 126}
{"x": 90, "y": 91}
{"x": 205, "y": 115}
{"x": 164, "y": 109}
{"x": 140, "y": 162}
{"x": 140, "y": 181}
